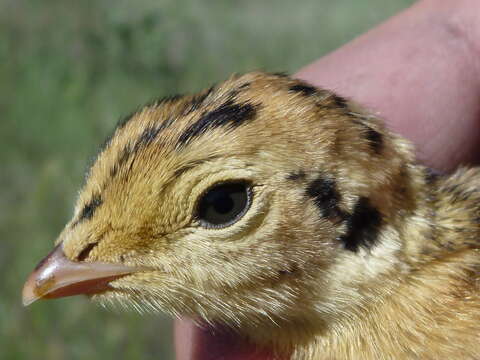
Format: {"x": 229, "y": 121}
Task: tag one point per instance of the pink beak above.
{"x": 57, "y": 276}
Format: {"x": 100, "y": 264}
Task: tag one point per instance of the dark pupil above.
{"x": 222, "y": 204}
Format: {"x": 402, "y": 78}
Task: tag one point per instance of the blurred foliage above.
{"x": 68, "y": 71}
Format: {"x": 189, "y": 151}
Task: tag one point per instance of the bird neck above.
{"x": 445, "y": 220}
{"x": 437, "y": 227}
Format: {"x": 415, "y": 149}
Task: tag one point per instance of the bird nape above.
{"x": 285, "y": 215}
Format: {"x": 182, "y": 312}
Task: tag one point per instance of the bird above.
{"x": 284, "y": 212}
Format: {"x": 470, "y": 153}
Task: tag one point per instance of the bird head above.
{"x": 262, "y": 203}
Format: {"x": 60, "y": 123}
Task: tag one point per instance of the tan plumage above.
{"x": 347, "y": 250}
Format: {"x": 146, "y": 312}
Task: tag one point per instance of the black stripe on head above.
{"x": 126, "y": 119}
{"x": 323, "y": 192}
{"x": 304, "y": 89}
{"x": 198, "y": 100}
{"x": 340, "y": 101}
{"x": 363, "y": 226}
{"x": 229, "y": 114}
{"x": 244, "y": 86}
{"x": 150, "y": 133}
{"x": 148, "y": 136}
{"x": 122, "y": 159}
{"x": 90, "y": 208}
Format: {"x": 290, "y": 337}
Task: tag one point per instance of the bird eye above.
{"x": 224, "y": 204}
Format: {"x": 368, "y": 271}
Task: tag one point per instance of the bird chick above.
{"x": 285, "y": 213}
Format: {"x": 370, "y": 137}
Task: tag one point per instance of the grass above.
{"x": 68, "y": 71}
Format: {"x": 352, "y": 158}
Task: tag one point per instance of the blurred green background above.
{"x": 68, "y": 71}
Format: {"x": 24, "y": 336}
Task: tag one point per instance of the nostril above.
{"x": 86, "y": 252}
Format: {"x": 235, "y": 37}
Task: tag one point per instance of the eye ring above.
{"x": 224, "y": 203}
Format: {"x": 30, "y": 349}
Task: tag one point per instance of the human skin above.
{"x": 420, "y": 72}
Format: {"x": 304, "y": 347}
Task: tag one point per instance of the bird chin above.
{"x": 197, "y": 342}
{"x": 193, "y": 339}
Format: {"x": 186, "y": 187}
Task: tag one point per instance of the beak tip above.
{"x": 28, "y": 296}
{"x": 57, "y": 276}
{"x": 27, "y": 301}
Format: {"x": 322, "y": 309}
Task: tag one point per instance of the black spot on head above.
{"x": 375, "y": 139}
{"x": 340, "y": 101}
{"x": 324, "y": 193}
{"x": 304, "y": 89}
{"x": 363, "y": 226}
{"x": 90, "y": 207}
{"x": 229, "y": 115}
{"x": 431, "y": 176}
{"x": 296, "y": 175}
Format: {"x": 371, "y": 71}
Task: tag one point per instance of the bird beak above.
{"x": 57, "y": 276}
